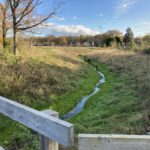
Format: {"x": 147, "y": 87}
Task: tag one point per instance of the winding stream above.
{"x": 79, "y": 107}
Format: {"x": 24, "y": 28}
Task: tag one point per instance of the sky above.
{"x": 90, "y": 17}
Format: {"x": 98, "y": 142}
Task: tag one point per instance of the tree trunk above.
{"x": 4, "y": 39}
{"x": 14, "y": 42}
{"x": 4, "y": 30}
{"x": 14, "y": 32}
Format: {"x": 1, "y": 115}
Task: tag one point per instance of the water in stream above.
{"x": 79, "y": 107}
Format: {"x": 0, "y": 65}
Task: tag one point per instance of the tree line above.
{"x": 19, "y": 16}
{"x": 112, "y": 38}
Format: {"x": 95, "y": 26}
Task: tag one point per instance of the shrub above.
{"x": 147, "y": 51}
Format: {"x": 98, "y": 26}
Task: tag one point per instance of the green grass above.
{"x": 41, "y": 85}
{"x": 58, "y": 79}
{"x": 64, "y": 103}
{"x": 115, "y": 109}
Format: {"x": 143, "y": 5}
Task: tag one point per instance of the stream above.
{"x": 79, "y": 107}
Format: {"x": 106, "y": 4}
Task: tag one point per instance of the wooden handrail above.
{"x": 1, "y": 148}
{"x": 49, "y": 126}
{"x": 113, "y": 142}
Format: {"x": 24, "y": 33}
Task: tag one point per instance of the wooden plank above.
{"x": 49, "y": 126}
{"x": 113, "y": 142}
{"x": 45, "y": 143}
{"x": 1, "y": 148}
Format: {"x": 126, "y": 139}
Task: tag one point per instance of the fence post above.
{"x": 45, "y": 143}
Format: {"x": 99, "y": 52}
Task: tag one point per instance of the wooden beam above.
{"x": 113, "y": 142}
{"x": 45, "y": 143}
{"x": 49, "y": 126}
{"x": 1, "y": 148}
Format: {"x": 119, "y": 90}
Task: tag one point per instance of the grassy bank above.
{"x": 123, "y": 106}
{"x": 58, "y": 78}
{"x": 44, "y": 78}
{"x": 135, "y": 65}
{"x": 116, "y": 109}
{"x": 68, "y": 101}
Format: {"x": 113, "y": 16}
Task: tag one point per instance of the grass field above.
{"x": 58, "y": 78}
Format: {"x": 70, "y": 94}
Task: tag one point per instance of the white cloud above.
{"x": 142, "y": 28}
{"x": 74, "y": 17}
{"x": 100, "y": 14}
{"x": 74, "y": 30}
{"x": 60, "y": 18}
{"x": 146, "y": 23}
{"x": 123, "y": 6}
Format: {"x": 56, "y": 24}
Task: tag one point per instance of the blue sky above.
{"x": 96, "y": 16}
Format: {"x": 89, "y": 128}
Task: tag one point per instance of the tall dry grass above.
{"x": 34, "y": 76}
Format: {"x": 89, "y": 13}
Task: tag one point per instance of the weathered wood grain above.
{"x": 49, "y": 126}
{"x": 113, "y": 142}
{"x": 45, "y": 143}
{"x": 1, "y": 148}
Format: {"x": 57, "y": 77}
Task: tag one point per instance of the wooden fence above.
{"x": 46, "y": 123}
{"x": 52, "y": 130}
{"x": 113, "y": 142}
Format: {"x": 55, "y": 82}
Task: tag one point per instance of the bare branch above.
{"x": 40, "y": 22}
{"x": 22, "y": 16}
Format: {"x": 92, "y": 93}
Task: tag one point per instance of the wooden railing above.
{"x": 1, "y": 148}
{"x": 51, "y": 129}
{"x": 113, "y": 142}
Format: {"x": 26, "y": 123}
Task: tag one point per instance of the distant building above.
{"x": 86, "y": 44}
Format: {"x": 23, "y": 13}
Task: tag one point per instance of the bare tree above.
{"x": 22, "y": 16}
{"x": 4, "y": 21}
